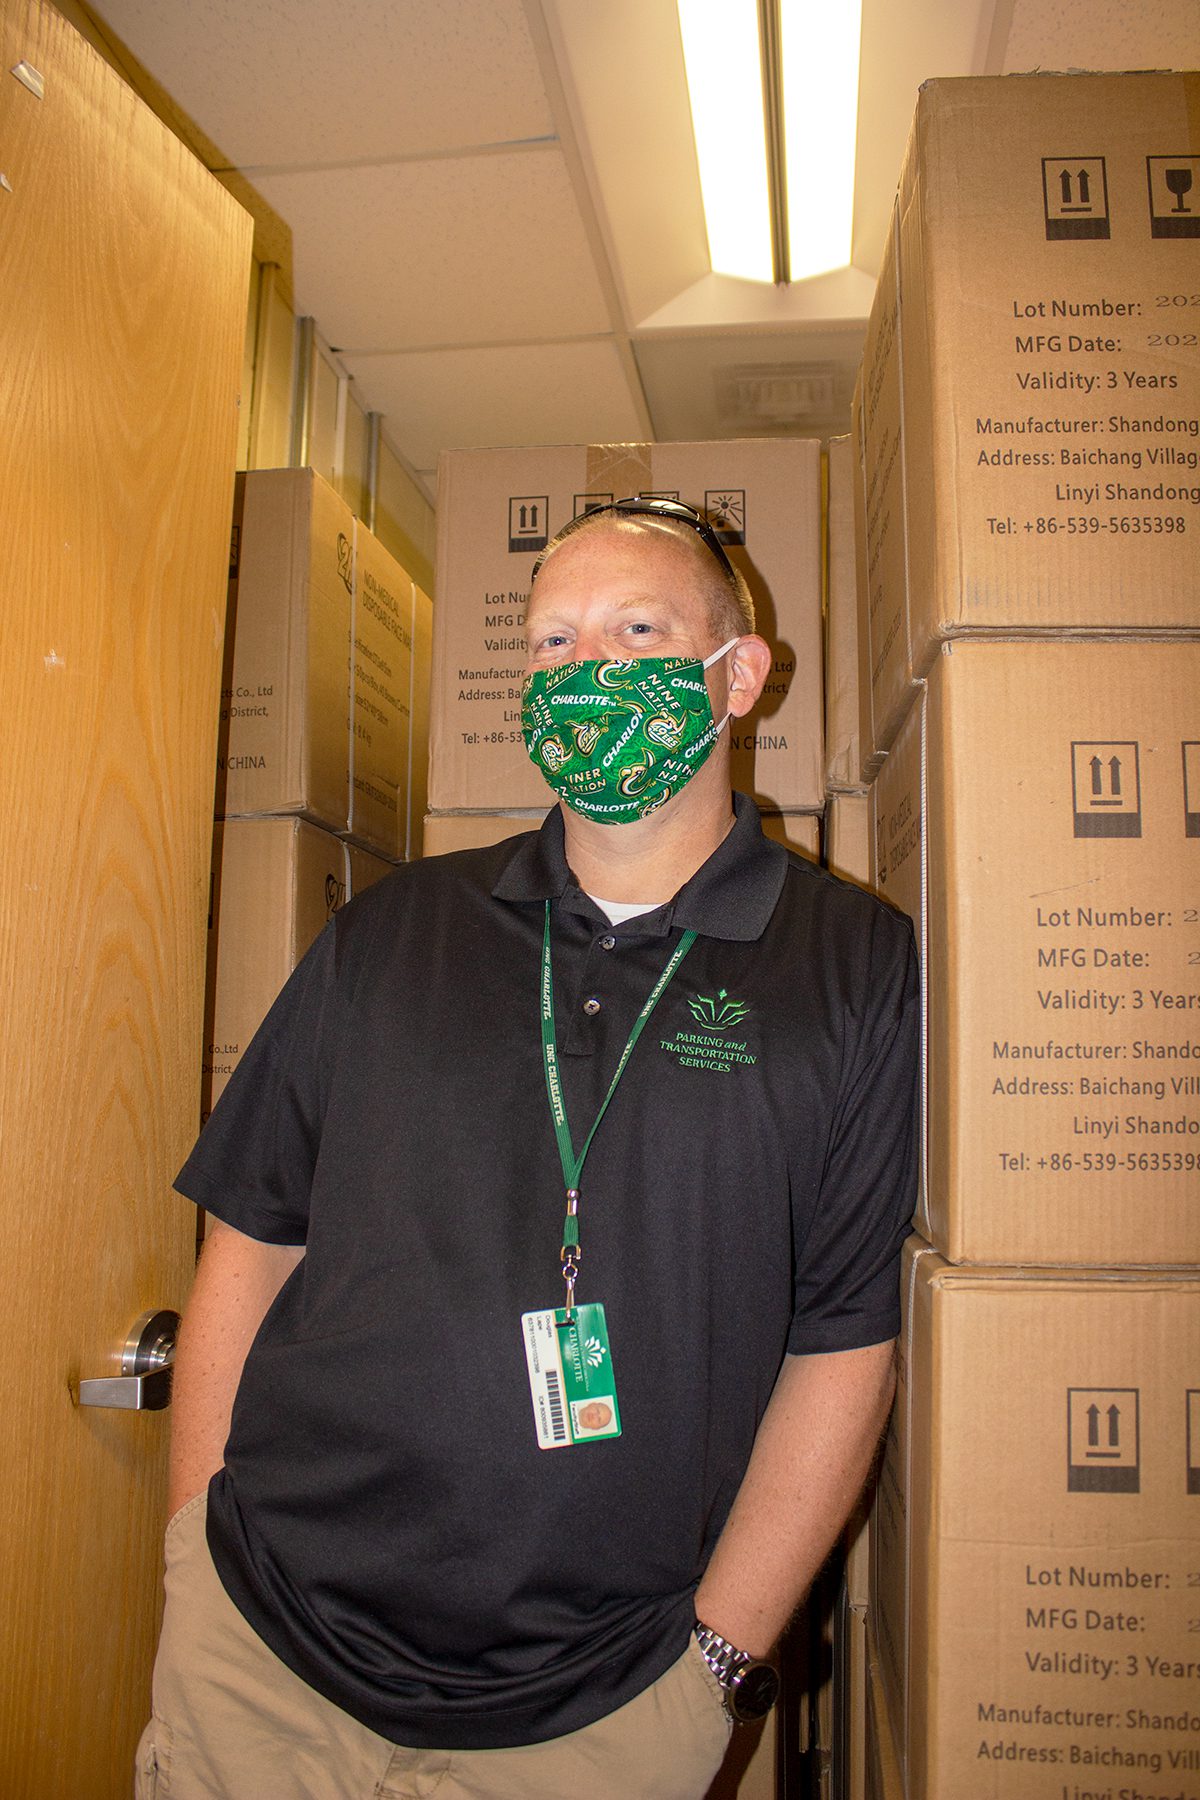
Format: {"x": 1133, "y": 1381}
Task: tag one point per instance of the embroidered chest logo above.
{"x": 713, "y": 1045}
{"x": 719, "y": 1014}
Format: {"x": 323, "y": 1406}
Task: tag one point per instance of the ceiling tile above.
{"x": 301, "y": 81}
{"x": 457, "y": 250}
{"x": 485, "y": 399}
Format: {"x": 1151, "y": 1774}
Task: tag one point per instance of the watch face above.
{"x": 754, "y": 1693}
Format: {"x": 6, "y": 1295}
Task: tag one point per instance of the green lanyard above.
{"x": 572, "y": 1165}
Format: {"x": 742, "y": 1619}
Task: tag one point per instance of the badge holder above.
{"x": 571, "y": 1381}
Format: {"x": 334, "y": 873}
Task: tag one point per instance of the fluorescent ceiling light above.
{"x": 720, "y": 53}
{"x": 820, "y": 98}
{"x": 813, "y": 54}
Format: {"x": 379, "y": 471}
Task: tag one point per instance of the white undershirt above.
{"x": 617, "y": 911}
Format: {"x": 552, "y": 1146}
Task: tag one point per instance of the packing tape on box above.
{"x": 618, "y": 470}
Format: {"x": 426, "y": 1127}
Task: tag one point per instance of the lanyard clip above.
{"x": 570, "y": 1256}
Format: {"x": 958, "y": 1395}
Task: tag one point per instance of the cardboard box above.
{"x": 418, "y": 754}
{"x": 1028, "y": 415}
{"x": 868, "y": 552}
{"x": 848, "y": 837}
{"x": 382, "y": 666}
{"x": 319, "y": 634}
{"x": 364, "y": 869}
{"x": 883, "y": 1777}
{"x": 473, "y": 831}
{"x": 796, "y": 831}
{"x": 850, "y": 1701}
{"x": 843, "y": 747}
{"x": 856, "y": 1540}
{"x": 823, "y": 1703}
{"x": 496, "y": 510}
{"x": 1039, "y": 818}
{"x": 1033, "y": 1588}
{"x": 275, "y": 884}
{"x": 284, "y": 738}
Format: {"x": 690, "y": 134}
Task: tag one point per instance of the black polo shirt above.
{"x": 385, "y": 1519}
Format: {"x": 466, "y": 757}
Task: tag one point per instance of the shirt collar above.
{"x": 730, "y": 896}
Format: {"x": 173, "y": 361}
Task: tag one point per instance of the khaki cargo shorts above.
{"x": 232, "y": 1722}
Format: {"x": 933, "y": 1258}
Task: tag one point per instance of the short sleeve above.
{"x": 848, "y": 1267}
{"x": 252, "y": 1166}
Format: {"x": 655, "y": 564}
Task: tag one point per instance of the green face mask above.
{"x": 615, "y": 740}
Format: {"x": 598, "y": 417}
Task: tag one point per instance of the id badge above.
{"x": 570, "y": 1376}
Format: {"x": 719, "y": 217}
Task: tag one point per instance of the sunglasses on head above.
{"x": 647, "y": 507}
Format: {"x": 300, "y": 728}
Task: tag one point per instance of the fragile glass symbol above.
{"x": 1179, "y": 182}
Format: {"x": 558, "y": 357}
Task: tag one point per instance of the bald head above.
{"x": 727, "y": 601}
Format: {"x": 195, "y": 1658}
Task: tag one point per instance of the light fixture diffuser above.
{"x": 788, "y": 215}
{"x": 820, "y": 104}
{"x": 721, "y": 57}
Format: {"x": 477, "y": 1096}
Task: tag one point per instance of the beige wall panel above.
{"x": 462, "y": 398}
{"x": 123, "y": 290}
{"x": 323, "y": 417}
{"x": 404, "y": 521}
{"x": 271, "y": 405}
{"x": 352, "y": 475}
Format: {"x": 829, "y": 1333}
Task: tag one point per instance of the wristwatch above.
{"x": 751, "y": 1685}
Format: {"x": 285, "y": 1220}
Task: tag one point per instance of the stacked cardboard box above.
{"x": 1039, "y": 817}
{"x": 1035, "y": 1536}
{"x": 324, "y": 704}
{"x": 847, "y": 853}
{"x": 472, "y": 831}
{"x": 496, "y": 511}
{"x": 883, "y": 1779}
{"x": 322, "y": 745}
{"x": 1027, "y": 420}
{"x": 847, "y": 808}
{"x": 847, "y": 1738}
{"x": 418, "y": 741}
{"x": 275, "y": 883}
{"x": 1026, "y": 488}
{"x": 848, "y": 837}
{"x": 843, "y": 727}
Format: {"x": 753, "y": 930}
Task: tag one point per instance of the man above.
{"x": 525, "y": 1407}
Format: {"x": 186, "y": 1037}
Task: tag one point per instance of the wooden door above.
{"x": 123, "y": 280}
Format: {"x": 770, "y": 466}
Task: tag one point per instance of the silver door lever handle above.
{"x": 147, "y": 1364}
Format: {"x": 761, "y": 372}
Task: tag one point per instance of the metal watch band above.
{"x": 724, "y": 1659}
{"x": 750, "y": 1685}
